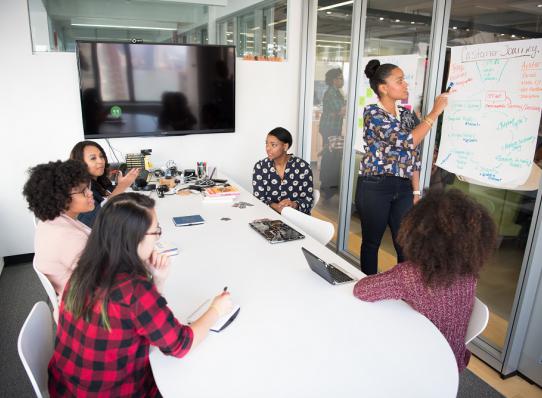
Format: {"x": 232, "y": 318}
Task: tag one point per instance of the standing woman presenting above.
{"x": 389, "y": 168}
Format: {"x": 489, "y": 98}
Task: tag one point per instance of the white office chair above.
{"x": 315, "y": 197}
{"x": 478, "y": 320}
{"x": 36, "y": 346}
{"x": 320, "y": 230}
{"x": 50, "y": 290}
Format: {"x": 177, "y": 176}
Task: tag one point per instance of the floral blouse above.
{"x": 296, "y": 184}
{"x": 389, "y": 147}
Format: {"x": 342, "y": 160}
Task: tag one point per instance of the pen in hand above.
{"x": 450, "y": 87}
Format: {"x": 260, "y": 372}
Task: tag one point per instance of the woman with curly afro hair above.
{"x": 57, "y": 192}
{"x": 93, "y": 156}
{"x": 446, "y": 238}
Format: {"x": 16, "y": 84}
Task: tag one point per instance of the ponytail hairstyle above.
{"x": 102, "y": 183}
{"x": 377, "y": 73}
{"x": 111, "y": 249}
{"x": 282, "y": 135}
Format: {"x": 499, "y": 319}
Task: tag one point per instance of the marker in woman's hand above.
{"x": 450, "y": 85}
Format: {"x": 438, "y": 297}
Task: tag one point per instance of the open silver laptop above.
{"x": 331, "y": 273}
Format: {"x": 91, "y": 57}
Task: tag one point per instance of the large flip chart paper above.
{"x": 491, "y": 124}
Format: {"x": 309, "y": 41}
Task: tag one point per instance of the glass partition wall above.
{"x": 329, "y": 104}
{"x": 480, "y": 22}
{"x": 395, "y": 32}
{"x": 417, "y": 36}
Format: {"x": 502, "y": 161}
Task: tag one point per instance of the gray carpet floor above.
{"x": 20, "y": 288}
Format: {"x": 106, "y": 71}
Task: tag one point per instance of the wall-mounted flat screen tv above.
{"x": 130, "y": 90}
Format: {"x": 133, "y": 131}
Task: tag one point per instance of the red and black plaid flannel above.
{"x": 91, "y": 361}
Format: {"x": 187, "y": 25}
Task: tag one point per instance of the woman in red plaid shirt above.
{"x": 112, "y": 311}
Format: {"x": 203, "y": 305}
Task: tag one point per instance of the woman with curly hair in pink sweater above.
{"x": 446, "y": 237}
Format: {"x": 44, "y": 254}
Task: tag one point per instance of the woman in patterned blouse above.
{"x": 447, "y": 238}
{"x": 282, "y": 180}
{"x": 390, "y": 163}
{"x": 112, "y": 311}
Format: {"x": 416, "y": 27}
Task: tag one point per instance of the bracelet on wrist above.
{"x": 418, "y": 193}
{"x": 428, "y": 120}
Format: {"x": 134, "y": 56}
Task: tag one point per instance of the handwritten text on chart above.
{"x": 512, "y": 123}
{"x": 495, "y": 53}
{"x": 491, "y": 124}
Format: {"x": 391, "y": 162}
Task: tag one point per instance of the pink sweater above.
{"x": 449, "y": 308}
{"x": 58, "y": 244}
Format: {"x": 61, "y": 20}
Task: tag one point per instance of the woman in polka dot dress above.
{"x": 282, "y": 179}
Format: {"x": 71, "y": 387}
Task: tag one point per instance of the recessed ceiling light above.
{"x": 397, "y": 20}
{"x": 381, "y": 18}
{"x": 454, "y": 28}
{"x": 502, "y": 34}
{"x": 468, "y": 30}
{"x": 539, "y": 6}
{"x": 412, "y": 22}
{"x": 328, "y": 12}
{"x": 513, "y": 35}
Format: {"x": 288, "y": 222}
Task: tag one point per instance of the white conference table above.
{"x": 296, "y": 335}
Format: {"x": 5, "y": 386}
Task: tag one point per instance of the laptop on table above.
{"x": 331, "y": 273}
{"x": 275, "y": 231}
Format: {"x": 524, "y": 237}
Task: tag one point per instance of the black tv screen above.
{"x": 132, "y": 90}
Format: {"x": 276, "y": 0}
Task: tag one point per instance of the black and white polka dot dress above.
{"x": 296, "y": 184}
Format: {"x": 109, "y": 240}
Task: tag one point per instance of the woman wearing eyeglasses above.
{"x": 57, "y": 192}
{"x": 93, "y": 156}
{"x": 112, "y": 310}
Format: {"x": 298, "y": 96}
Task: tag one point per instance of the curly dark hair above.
{"x": 102, "y": 183}
{"x": 48, "y": 188}
{"x": 447, "y": 235}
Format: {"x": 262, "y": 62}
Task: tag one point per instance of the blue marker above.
{"x": 450, "y": 85}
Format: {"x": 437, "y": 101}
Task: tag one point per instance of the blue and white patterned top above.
{"x": 389, "y": 147}
{"x": 296, "y": 184}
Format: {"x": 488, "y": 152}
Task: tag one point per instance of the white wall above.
{"x": 40, "y": 117}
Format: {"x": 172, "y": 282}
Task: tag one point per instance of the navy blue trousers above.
{"x": 380, "y": 201}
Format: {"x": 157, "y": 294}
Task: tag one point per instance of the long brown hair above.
{"x": 447, "y": 235}
{"x": 102, "y": 183}
{"x": 111, "y": 249}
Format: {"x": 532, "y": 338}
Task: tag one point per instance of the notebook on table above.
{"x": 275, "y": 231}
{"x": 331, "y": 273}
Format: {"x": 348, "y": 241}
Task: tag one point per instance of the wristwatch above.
{"x": 419, "y": 193}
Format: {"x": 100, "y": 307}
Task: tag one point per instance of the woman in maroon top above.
{"x": 446, "y": 238}
{"x": 112, "y": 311}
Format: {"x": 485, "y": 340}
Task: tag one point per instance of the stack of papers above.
{"x": 230, "y": 190}
{"x": 220, "y": 194}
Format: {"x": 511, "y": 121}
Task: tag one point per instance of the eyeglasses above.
{"x": 158, "y": 232}
{"x": 83, "y": 192}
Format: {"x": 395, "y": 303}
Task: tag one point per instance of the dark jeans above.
{"x": 380, "y": 201}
